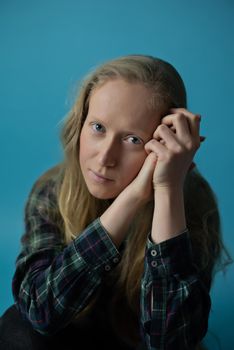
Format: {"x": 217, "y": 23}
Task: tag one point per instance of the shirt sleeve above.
{"x": 49, "y": 274}
{"x": 175, "y": 303}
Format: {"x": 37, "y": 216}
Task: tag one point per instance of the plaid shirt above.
{"x": 53, "y": 282}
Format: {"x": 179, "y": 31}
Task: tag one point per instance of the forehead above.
{"x": 119, "y": 91}
{"x": 120, "y": 100}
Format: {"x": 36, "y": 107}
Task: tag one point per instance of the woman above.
{"x": 122, "y": 238}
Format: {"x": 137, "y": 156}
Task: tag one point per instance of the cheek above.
{"x": 133, "y": 166}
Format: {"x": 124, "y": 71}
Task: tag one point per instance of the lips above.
{"x": 98, "y": 177}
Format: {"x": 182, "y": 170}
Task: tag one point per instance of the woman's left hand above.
{"x": 175, "y": 142}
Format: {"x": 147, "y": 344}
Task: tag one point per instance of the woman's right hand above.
{"x": 129, "y": 201}
{"x": 141, "y": 188}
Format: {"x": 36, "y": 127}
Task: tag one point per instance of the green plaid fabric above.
{"x": 53, "y": 282}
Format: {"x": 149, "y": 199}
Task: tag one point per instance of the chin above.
{"x": 104, "y": 195}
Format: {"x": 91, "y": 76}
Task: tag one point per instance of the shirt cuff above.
{"x": 96, "y": 248}
{"x": 171, "y": 257}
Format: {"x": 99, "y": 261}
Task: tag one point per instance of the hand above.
{"x": 174, "y": 143}
{"x": 141, "y": 188}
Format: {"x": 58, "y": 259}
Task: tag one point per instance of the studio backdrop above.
{"x": 46, "y": 47}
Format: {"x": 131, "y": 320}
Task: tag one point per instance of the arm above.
{"x": 46, "y": 284}
{"x": 175, "y": 302}
{"x": 48, "y": 276}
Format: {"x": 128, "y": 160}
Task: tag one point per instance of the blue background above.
{"x": 47, "y": 46}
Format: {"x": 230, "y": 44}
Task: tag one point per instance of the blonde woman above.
{"x": 122, "y": 238}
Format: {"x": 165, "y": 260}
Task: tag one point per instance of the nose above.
{"x": 108, "y": 153}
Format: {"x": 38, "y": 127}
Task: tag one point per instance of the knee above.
{"x": 17, "y": 334}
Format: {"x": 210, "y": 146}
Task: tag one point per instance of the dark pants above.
{"x": 17, "y": 334}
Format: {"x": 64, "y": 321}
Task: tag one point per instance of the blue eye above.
{"x": 97, "y": 127}
{"x": 135, "y": 140}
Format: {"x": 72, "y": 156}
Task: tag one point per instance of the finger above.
{"x": 193, "y": 120}
{"x": 173, "y": 129}
{"x": 155, "y": 147}
{"x": 163, "y": 136}
{"x": 191, "y": 116}
{"x": 162, "y": 142}
{"x": 183, "y": 111}
{"x": 202, "y": 138}
{"x": 147, "y": 169}
{"x": 179, "y": 124}
{"x": 169, "y": 138}
{"x": 194, "y": 124}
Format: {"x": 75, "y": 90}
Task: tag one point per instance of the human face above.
{"x": 119, "y": 123}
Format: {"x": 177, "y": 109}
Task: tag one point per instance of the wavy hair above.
{"x": 79, "y": 208}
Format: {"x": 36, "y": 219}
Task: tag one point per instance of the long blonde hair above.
{"x": 76, "y": 204}
{"x": 79, "y": 208}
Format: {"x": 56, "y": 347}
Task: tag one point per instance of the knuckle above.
{"x": 181, "y": 110}
{"x": 178, "y": 149}
{"x": 180, "y": 116}
{"x": 161, "y": 127}
{"x": 190, "y": 145}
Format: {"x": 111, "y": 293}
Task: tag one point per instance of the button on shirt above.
{"x": 174, "y": 303}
